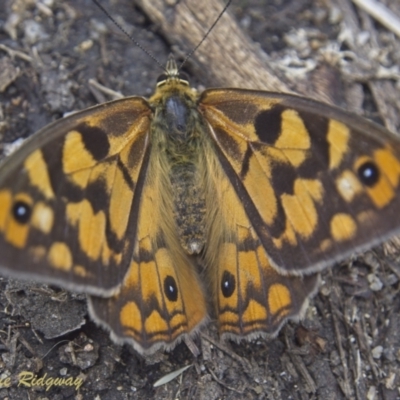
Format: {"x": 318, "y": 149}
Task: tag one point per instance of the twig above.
{"x": 380, "y": 13}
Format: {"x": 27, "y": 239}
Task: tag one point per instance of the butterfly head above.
{"x": 172, "y": 74}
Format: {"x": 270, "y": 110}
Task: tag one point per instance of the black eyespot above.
{"x": 368, "y": 173}
{"x": 170, "y": 288}
{"x": 162, "y": 78}
{"x": 21, "y": 212}
{"x": 228, "y": 284}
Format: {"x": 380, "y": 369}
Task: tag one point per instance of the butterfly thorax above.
{"x": 176, "y": 116}
{"x": 176, "y": 132}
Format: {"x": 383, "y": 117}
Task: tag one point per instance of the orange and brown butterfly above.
{"x": 225, "y": 203}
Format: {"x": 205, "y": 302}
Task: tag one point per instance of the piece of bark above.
{"x": 227, "y": 57}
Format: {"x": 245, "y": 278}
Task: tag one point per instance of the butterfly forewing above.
{"x": 69, "y": 198}
{"x": 317, "y": 183}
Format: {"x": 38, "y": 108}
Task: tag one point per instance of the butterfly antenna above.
{"x": 206, "y": 35}
{"x": 119, "y": 26}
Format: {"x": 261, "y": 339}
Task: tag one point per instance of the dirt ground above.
{"x": 347, "y": 346}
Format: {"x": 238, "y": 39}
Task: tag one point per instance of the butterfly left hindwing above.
{"x": 232, "y": 200}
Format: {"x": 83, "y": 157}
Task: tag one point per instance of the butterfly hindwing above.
{"x": 161, "y": 298}
{"x": 69, "y": 198}
{"x": 250, "y": 297}
{"x": 317, "y": 183}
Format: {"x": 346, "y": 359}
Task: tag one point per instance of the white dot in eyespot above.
{"x": 21, "y": 211}
{"x": 368, "y": 172}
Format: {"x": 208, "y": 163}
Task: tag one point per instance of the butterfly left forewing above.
{"x": 317, "y": 184}
{"x": 68, "y": 198}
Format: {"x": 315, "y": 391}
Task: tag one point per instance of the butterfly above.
{"x": 225, "y": 203}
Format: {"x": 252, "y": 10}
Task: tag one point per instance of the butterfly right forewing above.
{"x": 317, "y": 183}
